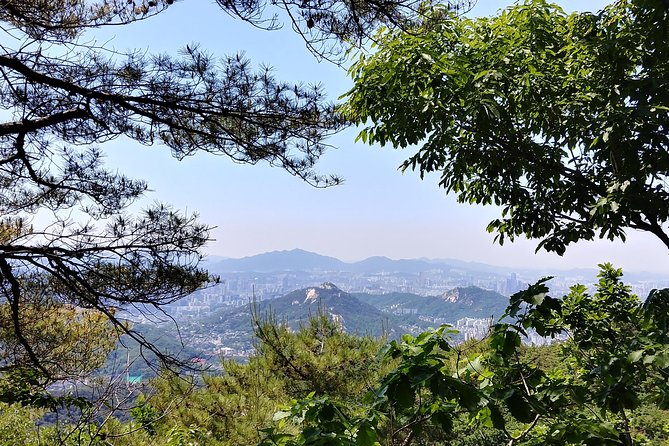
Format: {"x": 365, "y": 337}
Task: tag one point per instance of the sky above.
{"x": 377, "y": 211}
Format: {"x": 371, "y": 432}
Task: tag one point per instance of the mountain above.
{"x": 392, "y": 314}
{"x": 455, "y": 304}
{"x": 300, "y": 260}
{"x": 294, "y": 260}
{"x": 378, "y": 264}
{"x": 471, "y": 266}
{"x": 296, "y": 307}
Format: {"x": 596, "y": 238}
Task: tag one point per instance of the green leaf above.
{"x": 635, "y": 356}
{"x": 468, "y": 396}
{"x": 366, "y": 435}
{"x": 311, "y": 434}
{"x": 662, "y": 360}
{"x": 443, "y": 420}
{"x": 538, "y": 299}
{"x": 496, "y": 417}
{"x": 281, "y": 414}
{"x": 401, "y": 392}
{"x": 519, "y": 407}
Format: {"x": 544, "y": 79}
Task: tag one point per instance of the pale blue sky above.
{"x": 377, "y": 211}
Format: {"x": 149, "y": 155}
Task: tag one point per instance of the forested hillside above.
{"x": 456, "y": 304}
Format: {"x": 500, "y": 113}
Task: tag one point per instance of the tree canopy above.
{"x": 560, "y": 119}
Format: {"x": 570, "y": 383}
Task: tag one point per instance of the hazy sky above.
{"x": 377, "y": 211}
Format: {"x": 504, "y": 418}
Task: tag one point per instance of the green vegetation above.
{"x": 235, "y": 406}
{"x": 596, "y": 388}
{"x": 64, "y": 95}
{"x": 70, "y": 343}
{"x": 605, "y": 385}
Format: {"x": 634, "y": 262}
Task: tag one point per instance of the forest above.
{"x": 558, "y": 119}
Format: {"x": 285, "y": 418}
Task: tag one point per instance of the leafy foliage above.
{"x": 17, "y": 425}
{"x": 610, "y": 373}
{"x": 237, "y": 406}
{"x": 320, "y": 357}
{"x": 558, "y": 118}
{"x": 62, "y": 97}
{"x": 605, "y": 385}
{"x": 71, "y": 342}
{"x": 64, "y": 280}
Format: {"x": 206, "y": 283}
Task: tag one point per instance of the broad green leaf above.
{"x": 519, "y": 407}
{"x": 635, "y": 356}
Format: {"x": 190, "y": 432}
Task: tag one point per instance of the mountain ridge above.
{"x": 307, "y": 261}
{"x": 275, "y": 261}
{"x": 295, "y": 308}
{"x": 302, "y": 260}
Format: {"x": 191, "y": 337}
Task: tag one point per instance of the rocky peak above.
{"x": 451, "y": 296}
{"x": 311, "y": 295}
{"x": 462, "y": 296}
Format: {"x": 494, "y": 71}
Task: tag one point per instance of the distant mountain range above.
{"x": 295, "y": 260}
{"x": 300, "y": 260}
